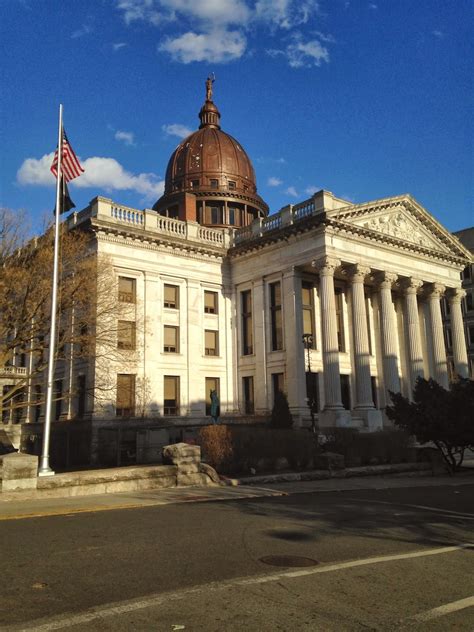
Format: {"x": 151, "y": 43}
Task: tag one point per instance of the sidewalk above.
{"x": 13, "y": 507}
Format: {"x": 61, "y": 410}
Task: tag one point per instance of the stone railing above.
{"x": 13, "y": 371}
{"x": 147, "y": 220}
{"x": 285, "y": 217}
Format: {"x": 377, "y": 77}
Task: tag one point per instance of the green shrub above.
{"x": 370, "y": 448}
{"x": 237, "y": 449}
{"x": 281, "y": 415}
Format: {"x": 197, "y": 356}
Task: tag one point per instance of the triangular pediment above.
{"x": 400, "y": 220}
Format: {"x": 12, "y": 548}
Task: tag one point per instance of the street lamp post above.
{"x": 308, "y": 345}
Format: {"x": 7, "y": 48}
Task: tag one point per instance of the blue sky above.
{"x": 367, "y": 99}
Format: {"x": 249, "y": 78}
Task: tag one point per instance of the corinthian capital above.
{"x": 386, "y": 280}
{"x": 455, "y": 295}
{"x": 436, "y": 290}
{"x": 411, "y": 285}
{"x": 326, "y": 266}
{"x": 357, "y": 273}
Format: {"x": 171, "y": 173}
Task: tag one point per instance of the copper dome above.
{"x": 212, "y": 166}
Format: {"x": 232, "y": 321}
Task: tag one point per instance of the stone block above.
{"x": 210, "y": 472}
{"x": 329, "y": 461}
{"x": 185, "y": 480}
{"x": 19, "y": 471}
{"x": 178, "y": 451}
{"x": 188, "y": 468}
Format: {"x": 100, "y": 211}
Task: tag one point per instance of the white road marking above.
{"x": 454, "y": 606}
{"x": 438, "y": 510}
{"x": 124, "y": 607}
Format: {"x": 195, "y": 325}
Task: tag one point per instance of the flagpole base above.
{"x": 44, "y": 469}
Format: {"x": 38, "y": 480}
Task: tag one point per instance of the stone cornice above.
{"x": 151, "y": 243}
{"x": 346, "y": 228}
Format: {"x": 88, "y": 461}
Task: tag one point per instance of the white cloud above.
{"x": 134, "y": 10}
{"x": 118, "y": 46}
{"x": 311, "y": 190}
{"x": 438, "y": 34}
{"x": 176, "y": 129}
{"x": 127, "y": 137}
{"x": 285, "y": 14}
{"x": 301, "y": 54}
{"x": 99, "y": 173}
{"x": 372, "y": 5}
{"x": 218, "y": 46}
{"x": 84, "y": 30}
{"x": 216, "y": 31}
{"x": 36, "y": 171}
{"x": 292, "y": 191}
{"x": 274, "y": 182}
{"x": 210, "y": 12}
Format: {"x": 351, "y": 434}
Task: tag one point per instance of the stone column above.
{"x": 357, "y": 274}
{"x": 333, "y": 413}
{"x": 412, "y": 329}
{"x": 293, "y": 336}
{"x": 457, "y": 331}
{"x": 440, "y": 365}
{"x": 388, "y": 330}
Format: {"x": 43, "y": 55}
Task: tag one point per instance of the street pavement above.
{"x": 385, "y": 554}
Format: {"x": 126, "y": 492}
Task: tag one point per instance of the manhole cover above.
{"x": 288, "y": 560}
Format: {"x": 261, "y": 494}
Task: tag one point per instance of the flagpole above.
{"x": 44, "y": 467}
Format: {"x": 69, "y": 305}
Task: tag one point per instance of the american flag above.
{"x": 70, "y": 165}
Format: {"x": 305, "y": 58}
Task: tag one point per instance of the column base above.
{"x": 336, "y": 419}
{"x": 371, "y": 418}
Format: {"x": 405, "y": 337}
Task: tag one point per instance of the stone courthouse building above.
{"x": 327, "y": 300}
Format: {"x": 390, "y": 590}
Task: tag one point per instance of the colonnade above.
{"x": 412, "y": 290}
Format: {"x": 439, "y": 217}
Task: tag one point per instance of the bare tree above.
{"x": 88, "y": 307}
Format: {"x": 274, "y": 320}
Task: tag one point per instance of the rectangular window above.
{"x": 216, "y": 215}
{"x": 307, "y": 299}
{"x": 312, "y": 391}
{"x": 346, "y": 391}
{"x": 247, "y": 325}
{"x": 447, "y": 338}
{"x": 125, "y": 405}
{"x": 231, "y": 185}
{"x": 471, "y": 336}
{"x": 368, "y": 305}
{"x": 171, "y": 395}
{"x": 170, "y": 339}
{"x": 126, "y": 335}
{"x": 212, "y": 384}
{"x": 214, "y": 184}
{"x": 81, "y": 395}
{"x": 233, "y": 216}
{"x": 58, "y": 399}
{"x": 278, "y": 384}
{"x": 375, "y": 399}
{"x": 210, "y": 302}
{"x": 37, "y": 402}
{"x": 211, "y": 343}
{"x": 275, "y": 315}
{"x": 339, "y": 296}
{"x": 469, "y": 301}
{"x": 247, "y": 384}
{"x": 171, "y": 296}
{"x": 194, "y": 184}
{"x": 127, "y": 291}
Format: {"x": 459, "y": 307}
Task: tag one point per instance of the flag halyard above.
{"x": 70, "y": 166}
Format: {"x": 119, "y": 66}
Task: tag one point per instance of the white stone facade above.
{"x": 366, "y": 279}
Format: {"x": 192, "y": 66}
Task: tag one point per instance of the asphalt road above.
{"x": 389, "y": 559}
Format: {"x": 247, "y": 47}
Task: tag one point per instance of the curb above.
{"x": 420, "y": 469}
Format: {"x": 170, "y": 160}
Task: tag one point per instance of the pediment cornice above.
{"x": 402, "y": 223}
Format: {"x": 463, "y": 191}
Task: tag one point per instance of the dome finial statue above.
{"x": 209, "y": 81}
